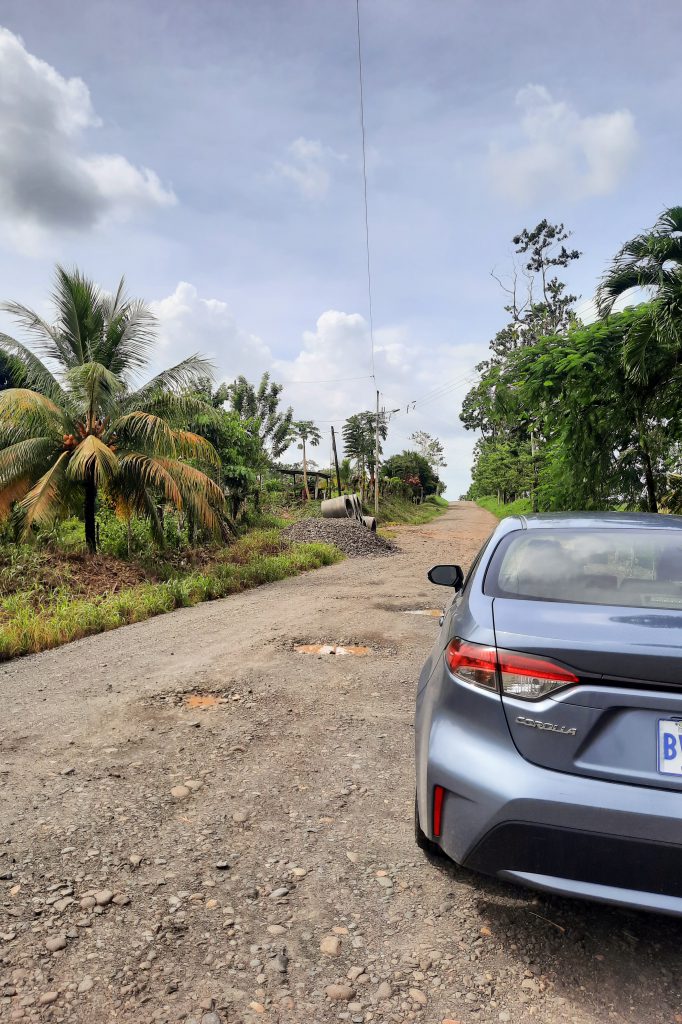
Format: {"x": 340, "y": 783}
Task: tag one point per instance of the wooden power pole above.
{"x": 336, "y": 462}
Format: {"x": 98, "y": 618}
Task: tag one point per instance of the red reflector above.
{"x": 438, "y": 794}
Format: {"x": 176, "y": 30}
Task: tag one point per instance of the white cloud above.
{"x": 309, "y": 167}
{"x": 48, "y": 180}
{"x": 562, "y": 152}
{"x": 188, "y": 324}
{"x": 327, "y": 379}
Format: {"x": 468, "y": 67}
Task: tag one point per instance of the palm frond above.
{"x": 194, "y": 446}
{"x": 47, "y": 339}
{"x": 145, "y": 429}
{"x": 41, "y": 503}
{"x": 26, "y": 458}
{"x": 178, "y": 378}
{"x": 93, "y": 459}
{"x": 670, "y": 221}
{"x": 38, "y": 376}
{"x": 176, "y": 409}
{"x": 13, "y": 492}
{"x": 140, "y": 471}
{"x": 80, "y": 320}
{"x": 192, "y": 480}
{"x": 95, "y": 389}
{"x": 130, "y": 333}
{"x": 200, "y": 494}
{"x": 24, "y": 413}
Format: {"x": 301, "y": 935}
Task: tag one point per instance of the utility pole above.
{"x": 336, "y": 463}
{"x": 376, "y": 462}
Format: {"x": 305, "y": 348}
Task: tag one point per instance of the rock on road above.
{"x": 199, "y": 823}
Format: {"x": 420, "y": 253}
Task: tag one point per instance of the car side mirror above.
{"x": 447, "y": 576}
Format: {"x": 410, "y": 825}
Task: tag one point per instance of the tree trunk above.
{"x": 89, "y": 513}
{"x": 305, "y": 472}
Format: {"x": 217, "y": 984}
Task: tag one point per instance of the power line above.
{"x": 364, "y": 180}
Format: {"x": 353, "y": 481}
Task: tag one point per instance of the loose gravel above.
{"x": 280, "y": 882}
{"x": 350, "y": 536}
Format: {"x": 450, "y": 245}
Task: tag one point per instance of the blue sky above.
{"x": 212, "y": 153}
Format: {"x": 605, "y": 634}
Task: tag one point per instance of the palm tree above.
{"x": 305, "y": 431}
{"x": 651, "y": 262}
{"x": 66, "y": 433}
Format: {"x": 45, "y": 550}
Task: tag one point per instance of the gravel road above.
{"x": 199, "y": 823}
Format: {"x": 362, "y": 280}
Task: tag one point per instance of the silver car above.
{"x": 549, "y": 713}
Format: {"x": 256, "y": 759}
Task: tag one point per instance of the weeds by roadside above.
{"x": 520, "y": 507}
{"x": 393, "y": 511}
{"x": 40, "y": 616}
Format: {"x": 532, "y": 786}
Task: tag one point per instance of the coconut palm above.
{"x": 651, "y": 262}
{"x": 80, "y": 421}
{"x": 306, "y": 432}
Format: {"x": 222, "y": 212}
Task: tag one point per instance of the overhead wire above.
{"x": 364, "y": 182}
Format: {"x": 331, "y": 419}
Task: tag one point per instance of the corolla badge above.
{"x": 534, "y": 723}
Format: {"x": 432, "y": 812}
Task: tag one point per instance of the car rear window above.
{"x": 639, "y": 568}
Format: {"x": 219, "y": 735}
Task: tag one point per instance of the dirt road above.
{"x": 231, "y": 862}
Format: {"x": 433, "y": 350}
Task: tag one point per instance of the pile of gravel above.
{"x": 350, "y": 536}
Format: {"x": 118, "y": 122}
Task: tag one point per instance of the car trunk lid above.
{"x": 629, "y": 665}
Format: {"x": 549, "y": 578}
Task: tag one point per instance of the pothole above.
{"x": 202, "y": 700}
{"x": 336, "y": 650}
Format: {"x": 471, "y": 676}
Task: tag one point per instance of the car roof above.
{"x": 598, "y": 520}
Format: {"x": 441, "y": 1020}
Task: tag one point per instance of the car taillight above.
{"x": 528, "y": 677}
{"x": 474, "y": 663}
{"x": 521, "y": 675}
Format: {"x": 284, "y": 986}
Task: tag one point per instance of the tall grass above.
{"x": 520, "y": 507}
{"x": 260, "y": 557}
{"x": 393, "y": 510}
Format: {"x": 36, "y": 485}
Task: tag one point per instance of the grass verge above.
{"x": 394, "y": 511}
{"x": 520, "y": 507}
{"x": 36, "y": 619}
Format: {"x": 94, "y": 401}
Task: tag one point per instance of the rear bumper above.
{"x": 614, "y": 869}
{"x": 564, "y": 833}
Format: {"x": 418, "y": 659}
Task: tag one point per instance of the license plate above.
{"x": 670, "y": 746}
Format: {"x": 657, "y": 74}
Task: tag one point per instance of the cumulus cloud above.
{"x": 188, "y": 324}
{"x": 562, "y": 152}
{"x": 327, "y": 379}
{"x": 308, "y": 167}
{"x": 48, "y": 179}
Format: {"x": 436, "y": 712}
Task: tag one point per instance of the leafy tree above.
{"x": 538, "y": 305}
{"x": 237, "y": 442}
{"x": 84, "y": 426}
{"x": 261, "y": 405}
{"x": 614, "y": 439}
{"x": 430, "y": 448}
{"x": 411, "y": 468}
{"x": 307, "y": 433}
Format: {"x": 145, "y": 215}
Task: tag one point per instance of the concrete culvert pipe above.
{"x": 370, "y": 522}
{"x": 338, "y": 508}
